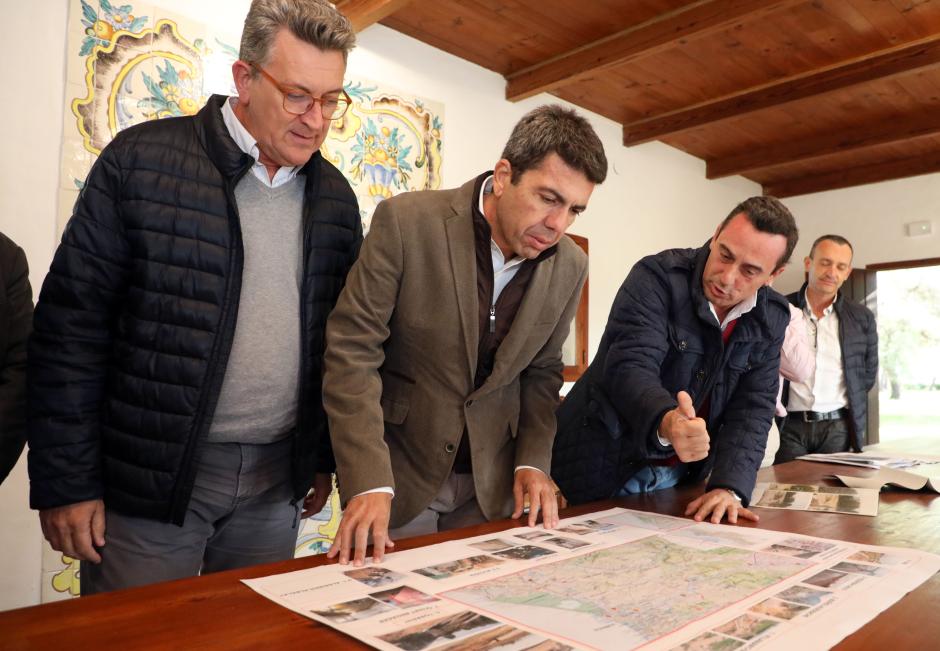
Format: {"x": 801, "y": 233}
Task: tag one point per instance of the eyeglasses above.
{"x": 298, "y": 102}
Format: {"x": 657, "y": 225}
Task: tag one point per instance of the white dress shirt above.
{"x": 247, "y": 143}
{"x": 824, "y": 391}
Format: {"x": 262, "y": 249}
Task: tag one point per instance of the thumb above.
{"x": 685, "y": 405}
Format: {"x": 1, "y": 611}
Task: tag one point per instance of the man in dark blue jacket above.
{"x": 176, "y": 421}
{"x": 829, "y": 412}
{"x": 684, "y": 383}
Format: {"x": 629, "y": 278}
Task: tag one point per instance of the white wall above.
{"x": 872, "y": 217}
{"x": 31, "y": 113}
{"x": 655, "y": 197}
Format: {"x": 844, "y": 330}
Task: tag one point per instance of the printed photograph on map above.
{"x": 374, "y": 577}
{"x": 567, "y": 543}
{"x": 777, "y": 499}
{"x": 350, "y": 611}
{"x": 533, "y": 535}
{"x": 403, "y": 597}
{"x": 746, "y": 627}
{"x": 836, "y": 503}
{"x": 809, "y": 545}
{"x": 460, "y": 566}
{"x": 587, "y": 526}
{"x": 869, "y": 556}
{"x": 491, "y": 545}
{"x": 524, "y": 552}
{"x": 802, "y": 595}
{"x": 453, "y": 627}
{"x": 839, "y": 490}
{"x": 855, "y": 568}
{"x": 779, "y": 609}
{"x": 505, "y": 638}
{"x": 710, "y": 642}
{"x": 829, "y": 579}
{"x": 800, "y": 488}
{"x": 796, "y": 552}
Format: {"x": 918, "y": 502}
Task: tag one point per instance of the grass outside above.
{"x": 914, "y": 414}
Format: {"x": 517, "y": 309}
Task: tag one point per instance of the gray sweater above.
{"x": 258, "y": 403}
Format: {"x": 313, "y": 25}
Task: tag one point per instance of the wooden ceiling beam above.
{"x": 881, "y": 133}
{"x": 665, "y": 31}
{"x": 363, "y": 13}
{"x": 873, "y": 173}
{"x": 875, "y": 65}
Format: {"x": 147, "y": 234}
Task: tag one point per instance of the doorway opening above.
{"x": 908, "y": 317}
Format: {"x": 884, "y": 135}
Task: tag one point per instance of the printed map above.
{"x": 646, "y": 589}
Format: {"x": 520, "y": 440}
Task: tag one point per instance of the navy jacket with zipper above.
{"x": 662, "y": 338}
{"x": 136, "y": 317}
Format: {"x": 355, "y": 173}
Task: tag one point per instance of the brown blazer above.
{"x": 402, "y": 350}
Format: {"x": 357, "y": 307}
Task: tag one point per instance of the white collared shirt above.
{"x": 503, "y": 270}
{"x": 735, "y": 312}
{"x": 247, "y": 143}
{"x": 824, "y": 391}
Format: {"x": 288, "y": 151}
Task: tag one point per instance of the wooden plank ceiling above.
{"x": 799, "y": 96}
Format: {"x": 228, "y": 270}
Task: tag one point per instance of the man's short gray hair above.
{"x": 554, "y": 129}
{"x": 314, "y": 21}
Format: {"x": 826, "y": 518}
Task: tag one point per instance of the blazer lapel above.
{"x": 462, "y": 251}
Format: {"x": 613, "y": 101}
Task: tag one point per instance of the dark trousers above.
{"x": 241, "y": 513}
{"x": 824, "y": 437}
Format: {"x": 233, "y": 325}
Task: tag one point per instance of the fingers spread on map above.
{"x": 717, "y": 504}
{"x": 364, "y": 513}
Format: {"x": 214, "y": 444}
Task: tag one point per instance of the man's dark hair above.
{"x": 768, "y": 215}
{"x": 554, "y": 129}
{"x": 838, "y": 239}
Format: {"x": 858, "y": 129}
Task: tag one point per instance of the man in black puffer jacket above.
{"x": 16, "y": 318}
{"x": 175, "y": 414}
{"x": 684, "y": 383}
{"x": 829, "y": 412}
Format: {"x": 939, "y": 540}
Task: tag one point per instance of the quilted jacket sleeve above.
{"x": 16, "y": 316}
{"x": 638, "y": 339}
{"x": 71, "y": 344}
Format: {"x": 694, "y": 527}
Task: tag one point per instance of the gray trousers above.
{"x": 241, "y": 513}
{"x": 454, "y": 506}
{"x": 824, "y": 437}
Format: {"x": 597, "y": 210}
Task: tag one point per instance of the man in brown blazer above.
{"x": 443, "y": 359}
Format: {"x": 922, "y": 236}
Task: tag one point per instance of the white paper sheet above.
{"x": 923, "y": 477}
{"x": 615, "y": 579}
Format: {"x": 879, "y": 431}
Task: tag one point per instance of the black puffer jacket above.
{"x": 135, "y": 319}
{"x": 662, "y": 338}
{"x": 858, "y": 336}
{"x": 16, "y": 319}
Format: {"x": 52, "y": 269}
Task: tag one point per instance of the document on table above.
{"x": 864, "y": 460}
{"x": 807, "y": 497}
{"x": 916, "y": 479}
{"x": 615, "y": 579}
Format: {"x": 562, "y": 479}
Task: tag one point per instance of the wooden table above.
{"x": 217, "y": 611}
